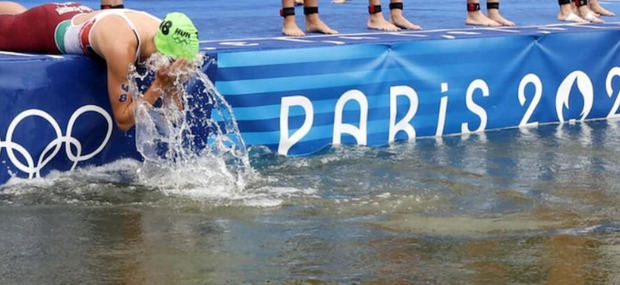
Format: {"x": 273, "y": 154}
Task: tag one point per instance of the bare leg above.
{"x": 597, "y": 8}
{"x": 11, "y": 8}
{"x": 396, "y": 15}
{"x": 377, "y": 22}
{"x": 567, "y": 14}
{"x": 476, "y": 18}
{"x": 494, "y": 15}
{"x": 299, "y": 2}
{"x": 289, "y": 26}
{"x": 314, "y": 23}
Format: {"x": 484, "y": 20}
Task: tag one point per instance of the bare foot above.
{"x": 290, "y": 28}
{"x": 478, "y": 19}
{"x": 494, "y": 15}
{"x": 570, "y": 17}
{"x": 569, "y": 14}
{"x": 588, "y": 15}
{"x": 396, "y": 15}
{"x": 315, "y": 25}
{"x": 377, "y": 22}
{"x": 597, "y": 8}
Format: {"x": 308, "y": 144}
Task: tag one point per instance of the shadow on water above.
{"x": 513, "y": 206}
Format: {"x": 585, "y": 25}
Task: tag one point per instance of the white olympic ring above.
{"x": 34, "y": 170}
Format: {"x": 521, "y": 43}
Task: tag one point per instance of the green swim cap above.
{"x": 177, "y": 37}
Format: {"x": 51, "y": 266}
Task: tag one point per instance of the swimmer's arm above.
{"x": 121, "y": 99}
{"x": 118, "y": 91}
{"x": 123, "y": 106}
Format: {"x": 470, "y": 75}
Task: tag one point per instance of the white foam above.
{"x": 173, "y": 164}
{"x": 108, "y": 172}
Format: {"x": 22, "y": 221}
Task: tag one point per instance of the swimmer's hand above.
{"x": 167, "y": 76}
{"x": 170, "y": 79}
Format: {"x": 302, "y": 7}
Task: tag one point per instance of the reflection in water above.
{"x": 517, "y": 206}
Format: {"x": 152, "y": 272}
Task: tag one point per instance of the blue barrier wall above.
{"x": 55, "y": 115}
{"x": 300, "y": 98}
{"x": 298, "y": 101}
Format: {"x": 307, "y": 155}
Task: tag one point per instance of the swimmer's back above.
{"x": 112, "y": 28}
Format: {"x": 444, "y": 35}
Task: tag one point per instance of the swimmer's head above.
{"x": 177, "y": 37}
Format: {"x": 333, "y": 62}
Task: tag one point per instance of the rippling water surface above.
{"x": 513, "y": 206}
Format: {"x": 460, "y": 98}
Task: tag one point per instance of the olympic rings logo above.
{"x": 51, "y": 150}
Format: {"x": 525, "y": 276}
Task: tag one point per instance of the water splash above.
{"x": 196, "y": 150}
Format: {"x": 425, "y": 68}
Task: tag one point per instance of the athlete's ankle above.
{"x": 376, "y": 17}
{"x": 313, "y": 18}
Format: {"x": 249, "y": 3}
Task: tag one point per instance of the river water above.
{"x": 513, "y": 206}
